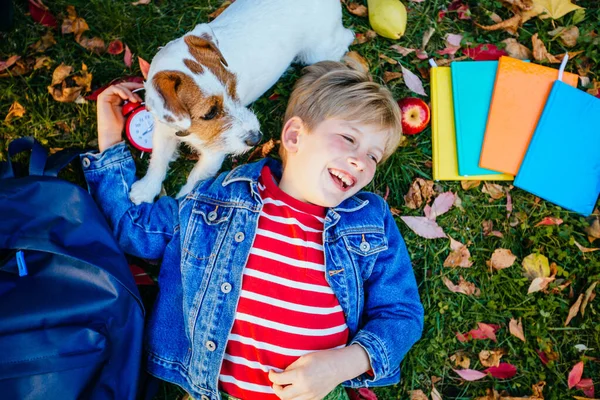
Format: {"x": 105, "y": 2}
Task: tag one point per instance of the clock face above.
{"x": 139, "y": 127}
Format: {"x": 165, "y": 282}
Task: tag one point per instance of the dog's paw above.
{"x": 144, "y": 191}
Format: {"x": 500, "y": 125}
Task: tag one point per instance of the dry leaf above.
{"x": 538, "y": 389}
{"x": 9, "y": 63}
{"x": 574, "y": 309}
{"x": 459, "y": 256}
{"x": 466, "y": 185}
{"x": 536, "y": 266}
{"x": 356, "y": 9}
{"x": 494, "y": 190}
{"x": 463, "y": 287}
{"x": 441, "y": 205}
{"x": 94, "y": 44}
{"x": 510, "y": 25}
{"x": 390, "y": 76}
{"x": 516, "y": 329}
{"x": 539, "y": 51}
{"x": 539, "y": 284}
{"x": 68, "y": 90}
{"x": 402, "y": 50}
{"x": 413, "y": 82}
{"x": 517, "y": 50}
{"x": 555, "y": 8}
{"x": 424, "y": 227}
{"x": 588, "y": 295}
{"x": 219, "y": 10}
{"x": 569, "y": 36}
{"x": 501, "y": 259}
{"x": 593, "y": 230}
{"x": 74, "y": 24}
{"x": 115, "y": 47}
{"x": 418, "y": 395}
{"x": 420, "y": 192}
{"x": 585, "y": 249}
{"x": 141, "y": 2}
{"x": 42, "y": 62}
{"x": 357, "y": 58}
{"x": 549, "y": 221}
{"x": 491, "y": 358}
{"x": 426, "y": 37}
{"x": 487, "y": 226}
{"x": 16, "y": 111}
{"x": 44, "y": 43}
{"x": 361, "y": 38}
{"x": 388, "y": 59}
{"x": 127, "y": 57}
{"x": 263, "y": 150}
{"x": 452, "y": 44}
{"x": 460, "y": 359}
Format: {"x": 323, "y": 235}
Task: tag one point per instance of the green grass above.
{"x": 503, "y": 294}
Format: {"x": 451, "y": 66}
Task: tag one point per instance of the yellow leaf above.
{"x": 536, "y": 266}
{"x": 16, "y": 110}
{"x": 556, "y": 8}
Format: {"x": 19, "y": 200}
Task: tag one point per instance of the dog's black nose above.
{"x": 253, "y": 138}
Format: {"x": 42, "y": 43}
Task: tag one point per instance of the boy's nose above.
{"x": 358, "y": 162}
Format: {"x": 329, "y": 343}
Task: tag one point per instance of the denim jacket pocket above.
{"x": 207, "y": 225}
{"x": 363, "y": 249}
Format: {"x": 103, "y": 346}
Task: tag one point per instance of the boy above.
{"x": 277, "y": 281}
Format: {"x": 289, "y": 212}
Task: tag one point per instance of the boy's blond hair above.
{"x": 331, "y": 89}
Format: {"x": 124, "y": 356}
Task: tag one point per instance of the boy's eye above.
{"x": 348, "y": 138}
{"x": 373, "y": 158}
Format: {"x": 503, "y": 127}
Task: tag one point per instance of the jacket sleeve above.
{"x": 143, "y": 231}
{"x": 393, "y": 313}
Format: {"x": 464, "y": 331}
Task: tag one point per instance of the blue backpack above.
{"x": 71, "y": 318}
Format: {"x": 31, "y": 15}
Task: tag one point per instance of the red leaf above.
{"x": 127, "y": 58}
{"x": 140, "y": 276}
{"x": 549, "y": 221}
{"x": 461, "y": 9}
{"x": 484, "y": 52}
{"x": 543, "y": 357}
{"x": 115, "y": 47}
{"x": 367, "y": 394}
{"x": 94, "y": 95}
{"x": 40, "y": 14}
{"x": 575, "y": 374}
{"x": 8, "y": 63}
{"x": 484, "y": 331}
{"x": 441, "y": 15}
{"x": 273, "y": 97}
{"x": 587, "y": 385}
{"x": 502, "y": 371}
{"x": 144, "y": 67}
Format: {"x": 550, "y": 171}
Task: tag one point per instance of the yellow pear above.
{"x": 387, "y": 17}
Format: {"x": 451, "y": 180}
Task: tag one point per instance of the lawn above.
{"x": 483, "y": 217}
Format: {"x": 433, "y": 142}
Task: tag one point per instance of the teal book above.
{"x": 562, "y": 162}
{"x": 472, "y": 89}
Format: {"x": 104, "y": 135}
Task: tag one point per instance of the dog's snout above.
{"x": 253, "y": 138}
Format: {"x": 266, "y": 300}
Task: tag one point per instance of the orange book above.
{"x": 520, "y": 93}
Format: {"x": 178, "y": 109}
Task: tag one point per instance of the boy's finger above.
{"x": 131, "y": 85}
{"x": 282, "y": 378}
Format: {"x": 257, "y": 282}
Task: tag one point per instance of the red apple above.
{"x": 415, "y": 115}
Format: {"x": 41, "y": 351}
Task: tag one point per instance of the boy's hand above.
{"x": 315, "y": 375}
{"x": 110, "y": 120}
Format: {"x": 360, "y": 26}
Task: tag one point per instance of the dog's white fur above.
{"x": 258, "y": 40}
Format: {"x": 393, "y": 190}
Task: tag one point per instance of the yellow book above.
{"x": 443, "y": 133}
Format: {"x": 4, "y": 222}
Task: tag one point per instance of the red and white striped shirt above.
{"x": 286, "y": 307}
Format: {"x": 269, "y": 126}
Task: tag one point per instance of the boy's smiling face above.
{"x": 332, "y": 162}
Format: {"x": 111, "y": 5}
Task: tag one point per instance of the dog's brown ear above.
{"x": 197, "y": 44}
{"x": 169, "y": 84}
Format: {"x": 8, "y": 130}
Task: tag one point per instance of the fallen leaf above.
{"x": 538, "y": 390}
{"x": 484, "y": 331}
{"x": 484, "y": 52}
{"x": 510, "y": 25}
{"x": 16, "y": 110}
{"x": 536, "y": 266}
{"x": 581, "y": 347}
{"x": 418, "y": 395}
{"x": 40, "y": 14}
{"x": 388, "y": 59}
{"x": 555, "y": 9}
{"x": 42, "y": 62}
{"x": 68, "y": 90}
{"x": 460, "y": 359}
{"x": 424, "y": 227}
{"x": 520, "y": 4}
{"x": 127, "y": 57}
{"x": 141, "y": 2}
{"x": 470, "y": 374}
{"x": 502, "y": 371}
{"x": 501, "y": 259}
{"x": 517, "y": 50}
{"x": 390, "y": 76}
{"x": 263, "y": 150}
{"x": 539, "y": 284}
{"x": 360, "y": 60}
{"x": 219, "y": 10}
{"x": 402, "y": 50}
{"x": 459, "y": 256}
{"x": 361, "y": 38}
{"x": 593, "y": 230}
{"x": 490, "y": 358}
{"x": 9, "y": 63}
{"x": 466, "y": 185}
{"x": 549, "y": 221}
{"x": 461, "y": 9}
{"x": 588, "y": 295}
{"x": 426, "y": 37}
{"x": 493, "y": 189}
{"x": 442, "y": 203}
{"x": 356, "y": 9}
{"x": 540, "y": 53}
{"x": 74, "y": 24}
{"x": 115, "y": 47}
{"x": 94, "y": 44}
{"x": 435, "y": 395}
{"x": 44, "y": 43}
{"x": 587, "y": 385}
{"x": 569, "y": 36}
{"x": 516, "y": 329}
{"x": 413, "y": 82}
{"x": 452, "y": 44}
{"x": 574, "y": 310}
{"x": 487, "y": 226}
{"x": 420, "y": 192}
{"x": 585, "y": 249}
{"x": 575, "y": 374}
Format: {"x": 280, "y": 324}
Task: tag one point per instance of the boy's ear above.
{"x": 291, "y": 133}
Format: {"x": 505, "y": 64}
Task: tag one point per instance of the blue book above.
{"x": 562, "y": 163}
{"x": 472, "y": 88}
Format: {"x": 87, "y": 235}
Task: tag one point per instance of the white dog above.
{"x": 199, "y": 85}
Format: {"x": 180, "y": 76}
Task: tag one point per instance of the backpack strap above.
{"x": 56, "y": 162}
{"x": 37, "y": 161}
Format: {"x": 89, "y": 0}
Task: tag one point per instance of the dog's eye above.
{"x": 212, "y": 113}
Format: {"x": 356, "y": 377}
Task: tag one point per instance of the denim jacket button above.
{"x": 85, "y": 162}
{"x": 239, "y": 237}
{"x": 365, "y": 246}
{"x": 210, "y": 345}
{"x": 226, "y": 287}
{"x": 212, "y": 216}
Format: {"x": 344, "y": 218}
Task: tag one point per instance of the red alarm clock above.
{"x": 139, "y": 125}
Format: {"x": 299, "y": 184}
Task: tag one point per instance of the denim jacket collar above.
{"x": 251, "y": 173}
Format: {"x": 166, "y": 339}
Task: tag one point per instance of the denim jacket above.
{"x": 204, "y": 241}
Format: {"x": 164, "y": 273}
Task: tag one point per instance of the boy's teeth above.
{"x": 343, "y": 177}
